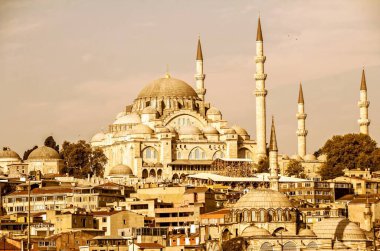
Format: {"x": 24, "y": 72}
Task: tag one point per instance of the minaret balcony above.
{"x": 199, "y": 76}
{"x": 301, "y": 132}
{"x": 364, "y": 122}
{"x": 260, "y": 59}
{"x": 260, "y": 76}
{"x": 301, "y": 115}
{"x": 260, "y": 93}
{"x": 364, "y": 104}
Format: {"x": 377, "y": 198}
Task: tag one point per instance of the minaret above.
{"x": 260, "y": 94}
{"x": 301, "y": 129}
{"x": 199, "y": 76}
{"x": 273, "y": 159}
{"x": 363, "y": 105}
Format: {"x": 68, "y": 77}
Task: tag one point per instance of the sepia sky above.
{"x": 68, "y": 67}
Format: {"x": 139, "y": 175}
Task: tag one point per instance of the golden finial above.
{"x": 167, "y": 75}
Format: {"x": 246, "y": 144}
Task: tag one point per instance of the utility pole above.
{"x": 28, "y": 248}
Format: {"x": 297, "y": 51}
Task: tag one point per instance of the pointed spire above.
{"x": 199, "y": 51}
{"x": 273, "y": 140}
{"x": 259, "y": 36}
{"x": 363, "y": 86}
{"x": 300, "y": 96}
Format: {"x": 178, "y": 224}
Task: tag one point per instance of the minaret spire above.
{"x": 199, "y": 76}
{"x": 301, "y": 125}
{"x": 273, "y": 159}
{"x": 363, "y": 106}
{"x": 260, "y": 93}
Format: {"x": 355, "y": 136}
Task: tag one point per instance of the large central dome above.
{"x": 167, "y": 87}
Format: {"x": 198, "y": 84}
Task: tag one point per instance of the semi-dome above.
{"x": 306, "y": 232}
{"x": 44, "y": 152}
{"x": 120, "y": 114}
{"x": 263, "y": 198}
{"x": 167, "y": 87}
{"x": 239, "y": 130}
{"x": 121, "y": 170}
{"x": 338, "y": 229}
{"x": 100, "y": 136}
{"x": 254, "y": 231}
{"x": 141, "y": 129}
{"x": 213, "y": 111}
{"x": 132, "y": 118}
{"x": 7, "y": 153}
{"x": 149, "y": 110}
{"x": 309, "y": 157}
{"x": 322, "y": 157}
{"x": 210, "y": 130}
{"x": 171, "y": 129}
{"x": 285, "y": 157}
{"x": 229, "y": 131}
{"x": 189, "y": 130}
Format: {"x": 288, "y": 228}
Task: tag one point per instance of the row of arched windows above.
{"x": 199, "y": 154}
{"x": 262, "y": 215}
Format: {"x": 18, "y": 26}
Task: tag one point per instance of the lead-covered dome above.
{"x": 213, "y": 111}
{"x": 100, "y": 136}
{"x": 239, "y": 130}
{"x": 167, "y": 87}
{"x": 7, "y": 153}
{"x": 121, "y": 170}
{"x": 189, "y": 130}
{"x": 263, "y": 198}
{"x": 338, "y": 229}
{"x": 210, "y": 130}
{"x": 44, "y": 153}
{"x": 254, "y": 231}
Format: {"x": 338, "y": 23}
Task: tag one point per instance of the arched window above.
{"x": 290, "y": 246}
{"x": 253, "y": 216}
{"x": 197, "y": 154}
{"x": 245, "y": 216}
{"x": 270, "y": 216}
{"x": 150, "y": 155}
{"x": 262, "y": 216}
{"x": 244, "y": 153}
{"x": 279, "y": 215}
{"x": 218, "y": 155}
{"x": 266, "y": 247}
{"x": 179, "y": 155}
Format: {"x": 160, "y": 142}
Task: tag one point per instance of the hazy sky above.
{"x": 68, "y": 67}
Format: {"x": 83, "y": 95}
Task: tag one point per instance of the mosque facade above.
{"x": 171, "y": 122}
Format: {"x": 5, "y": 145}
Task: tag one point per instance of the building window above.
{"x": 197, "y": 154}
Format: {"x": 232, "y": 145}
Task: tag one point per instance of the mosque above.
{"x": 170, "y": 126}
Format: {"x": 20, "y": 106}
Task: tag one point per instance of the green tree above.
{"x": 263, "y": 166}
{"x": 50, "y": 142}
{"x": 80, "y": 159}
{"x": 296, "y": 169}
{"x": 349, "y": 151}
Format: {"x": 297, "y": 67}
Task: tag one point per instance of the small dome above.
{"x": 167, "y": 87}
{"x": 309, "y": 157}
{"x": 306, "y": 232}
{"x": 338, "y": 245}
{"x": 123, "y": 133}
{"x": 322, "y": 157}
{"x": 213, "y": 111}
{"x": 8, "y": 154}
{"x": 229, "y": 131}
{"x": 44, "y": 152}
{"x": 210, "y": 130}
{"x": 254, "y": 231}
{"x": 120, "y": 114}
{"x": 296, "y": 157}
{"x": 239, "y": 130}
{"x": 162, "y": 129}
{"x": 121, "y": 170}
{"x": 132, "y": 118}
{"x": 141, "y": 129}
{"x": 189, "y": 130}
{"x": 100, "y": 136}
{"x": 149, "y": 110}
{"x": 263, "y": 198}
{"x": 285, "y": 157}
{"x": 338, "y": 229}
